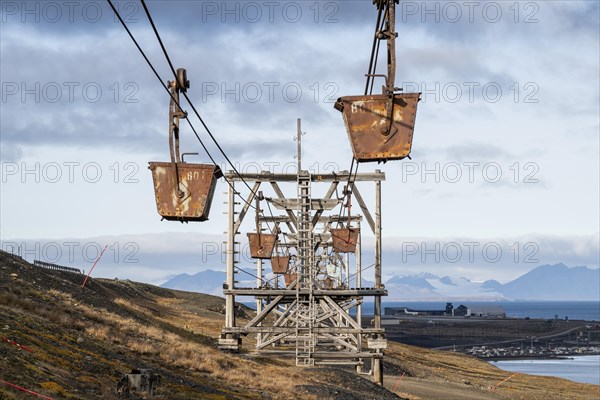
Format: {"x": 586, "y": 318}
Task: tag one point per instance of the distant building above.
{"x": 487, "y": 311}
{"x": 410, "y": 311}
{"x": 449, "y": 309}
{"x": 462, "y": 311}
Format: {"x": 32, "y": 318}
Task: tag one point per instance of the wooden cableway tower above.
{"x": 316, "y": 312}
{"x": 309, "y": 315}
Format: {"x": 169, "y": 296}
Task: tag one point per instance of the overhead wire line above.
{"x": 368, "y": 90}
{"x": 374, "y": 54}
{"x": 166, "y": 54}
{"x": 169, "y": 92}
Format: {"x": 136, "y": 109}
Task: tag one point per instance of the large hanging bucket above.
{"x": 290, "y": 278}
{"x": 261, "y": 244}
{"x": 184, "y": 192}
{"x": 328, "y": 283}
{"x": 345, "y": 239}
{"x": 280, "y": 264}
{"x": 379, "y": 129}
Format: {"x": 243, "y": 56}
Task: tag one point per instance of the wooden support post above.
{"x": 230, "y": 341}
{"x": 377, "y": 370}
{"x": 358, "y": 284}
{"x": 259, "y": 305}
{"x": 229, "y": 298}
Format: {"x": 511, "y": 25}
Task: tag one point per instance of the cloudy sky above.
{"x": 504, "y": 173}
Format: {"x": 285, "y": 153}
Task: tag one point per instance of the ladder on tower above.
{"x": 305, "y": 305}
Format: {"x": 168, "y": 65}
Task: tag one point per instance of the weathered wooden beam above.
{"x": 260, "y": 316}
{"x": 292, "y": 330}
{"x": 364, "y": 208}
{"x": 341, "y": 176}
{"x": 293, "y": 220}
{"x": 316, "y": 292}
{"x": 244, "y": 210}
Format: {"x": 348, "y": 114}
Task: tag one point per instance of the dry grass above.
{"x": 177, "y": 332}
{"x": 54, "y": 387}
{"x": 183, "y": 318}
{"x": 182, "y": 352}
{"x": 98, "y": 331}
{"x": 442, "y": 367}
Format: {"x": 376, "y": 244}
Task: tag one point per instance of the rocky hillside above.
{"x": 76, "y": 343}
{"x": 63, "y": 341}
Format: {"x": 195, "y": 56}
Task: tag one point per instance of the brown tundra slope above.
{"x": 63, "y": 341}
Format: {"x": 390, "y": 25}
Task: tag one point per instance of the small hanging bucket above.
{"x": 261, "y": 244}
{"x": 344, "y": 239}
{"x": 289, "y": 278}
{"x": 328, "y": 282}
{"x": 280, "y": 264}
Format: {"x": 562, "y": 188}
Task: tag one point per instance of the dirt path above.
{"x": 417, "y": 389}
{"x": 496, "y": 343}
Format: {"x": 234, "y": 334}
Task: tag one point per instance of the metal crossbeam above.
{"x": 341, "y": 176}
{"x": 309, "y": 318}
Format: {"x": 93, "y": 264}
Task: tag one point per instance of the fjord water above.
{"x": 584, "y": 369}
{"x": 580, "y": 310}
{"x": 574, "y": 310}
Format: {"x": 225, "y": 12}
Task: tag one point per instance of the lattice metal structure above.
{"x": 308, "y": 313}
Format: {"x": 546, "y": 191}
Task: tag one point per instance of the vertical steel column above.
{"x": 229, "y": 298}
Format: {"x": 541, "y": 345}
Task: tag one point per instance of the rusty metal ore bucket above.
{"x": 261, "y": 244}
{"x": 290, "y": 278}
{"x": 280, "y": 264}
{"x": 375, "y": 136}
{"x": 187, "y": 198}
{"x": 344, "y": 240}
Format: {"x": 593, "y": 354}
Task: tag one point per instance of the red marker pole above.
{"x": 97, "y": 259}
{"x": 25, "y": 390}
{"x": 398, "y": 381}
{"x": 17, "y": 344}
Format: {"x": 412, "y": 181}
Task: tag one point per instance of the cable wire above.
{"x": 368, "y": 90}
{"x": 166, "y": 54}
{"x": 171, "y": 95}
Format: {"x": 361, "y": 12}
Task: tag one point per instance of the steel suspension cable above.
{"x": 171, "y": 95}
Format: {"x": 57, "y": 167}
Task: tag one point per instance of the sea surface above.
{"x": 583, "y": 310}
{"x": 584, "y": 369}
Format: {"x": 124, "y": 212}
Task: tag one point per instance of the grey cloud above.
{"x": 10, "y": 153}
{"x": 519, "y": 254}
{"x": 151, "y": 257}
{"x": 467, "y": 151}
{"x": 477, "y": 151}
{"x": 243, "y": 59}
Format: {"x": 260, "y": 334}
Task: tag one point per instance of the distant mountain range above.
{"x": 547, "y": 282}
